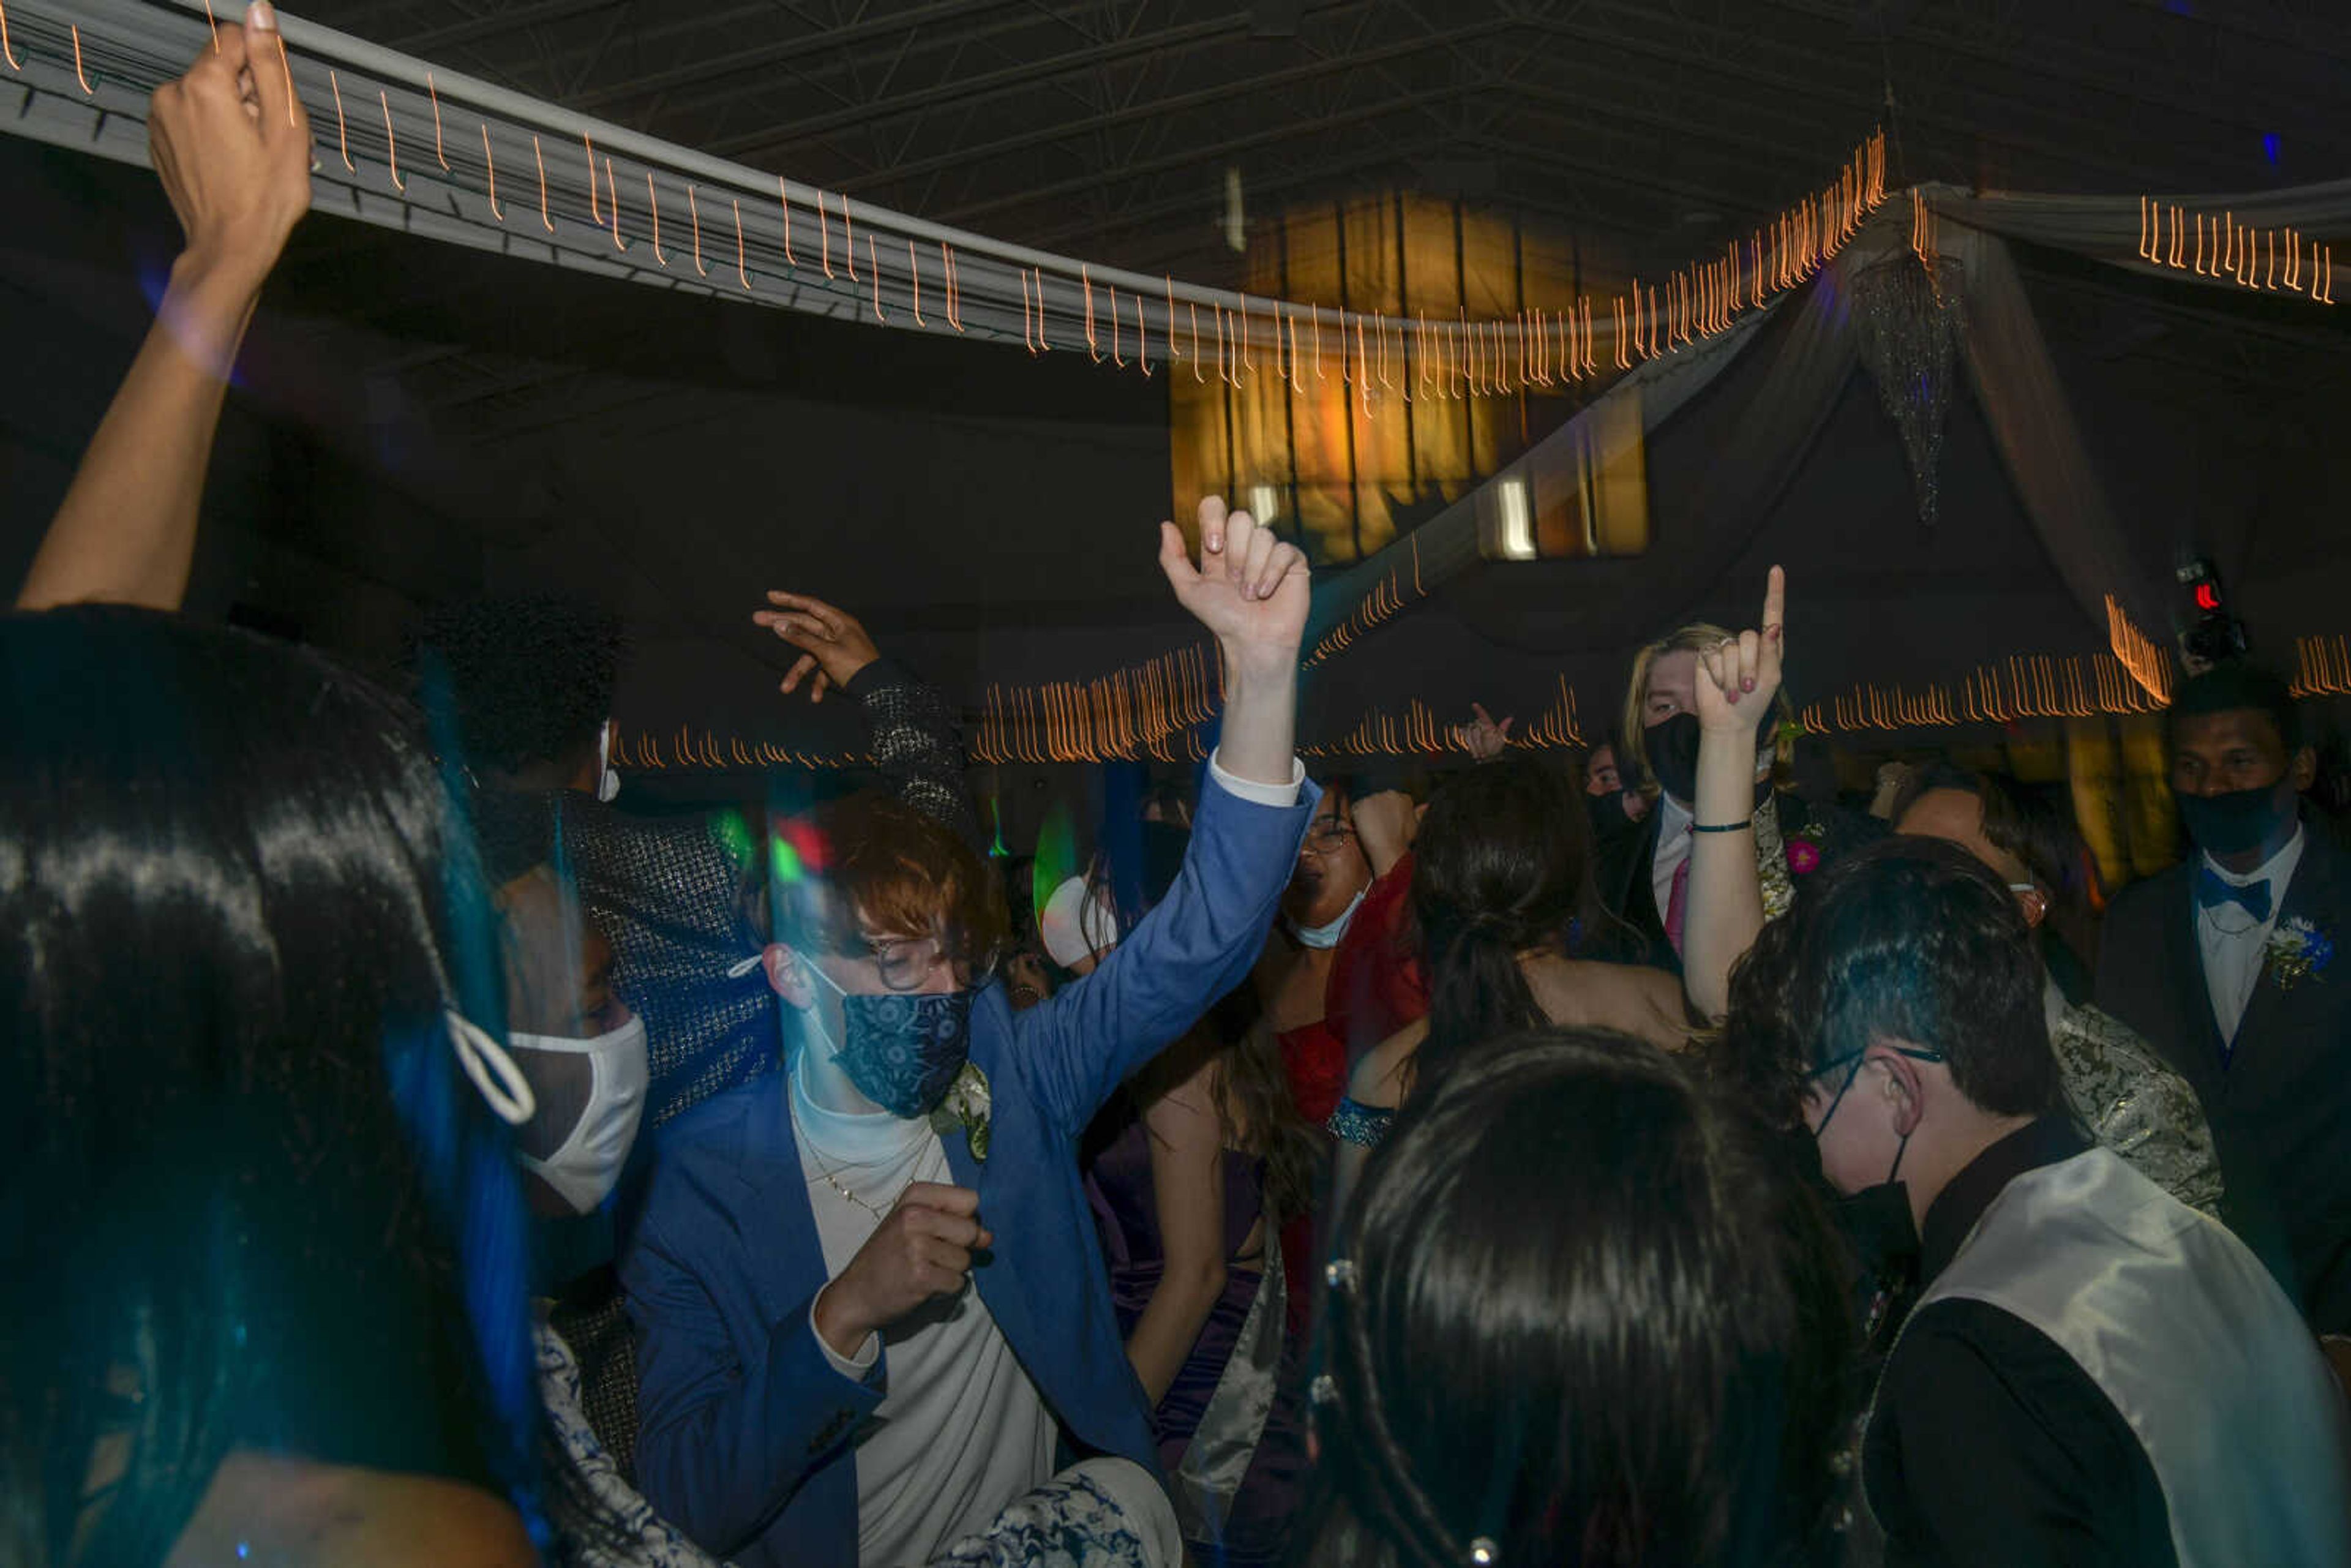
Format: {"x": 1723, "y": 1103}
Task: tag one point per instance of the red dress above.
{"x": 1377, "y": 984}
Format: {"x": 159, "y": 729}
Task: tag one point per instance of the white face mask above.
{"x": 1328, "y": 936}
{"x": 608, "y": 779}
{"x": 584, "y": 1169}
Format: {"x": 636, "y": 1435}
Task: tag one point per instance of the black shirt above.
{"x": 1990, "y": 1444}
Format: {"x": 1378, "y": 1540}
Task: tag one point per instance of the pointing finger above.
{"x": 1175, "y": 559}
{"x": 1212, "y": 526}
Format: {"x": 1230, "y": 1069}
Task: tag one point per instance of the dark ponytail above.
{"x": 1502, "y": 866}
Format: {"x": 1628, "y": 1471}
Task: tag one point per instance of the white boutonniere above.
{"x": 966, "y": 1108}
{"x": 2297, "y": 951}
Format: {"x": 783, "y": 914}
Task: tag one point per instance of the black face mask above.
{"x": 1672, "y": 745}
{"x": 1608, "y": 815}
{"x": 2236, "y": 824}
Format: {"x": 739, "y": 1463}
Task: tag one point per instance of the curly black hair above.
{"x": 529, "y": 677}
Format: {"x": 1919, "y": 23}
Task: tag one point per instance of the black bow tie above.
{"x": 2213, "y": 889}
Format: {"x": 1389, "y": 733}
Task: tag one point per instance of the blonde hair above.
{"x": 1631, "y": 744}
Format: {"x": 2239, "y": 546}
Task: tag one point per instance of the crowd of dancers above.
{"x": 424, "y": 1157}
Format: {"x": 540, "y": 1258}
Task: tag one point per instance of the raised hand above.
{"x": 832, "y": 643}
{"x": 231, "y": 145}
{"x": 921, "y": 1250}
{"x": 1738, "y": 676}
{"x": 1481, "y": 737}
{"x": 1249, "y": 587}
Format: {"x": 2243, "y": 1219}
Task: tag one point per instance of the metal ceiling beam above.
{"x": 1173, "y": 104}
{"x": 737, "y": 61}
{"x": 1739, "y": 65}
{"x": 507, "y": 18}
{"x": 1160, "y": 46}
{"x": 1209, "y": 152}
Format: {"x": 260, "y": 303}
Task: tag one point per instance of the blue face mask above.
{"x": 902, "y": 1052}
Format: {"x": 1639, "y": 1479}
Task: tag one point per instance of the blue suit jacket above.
{"x": 745, "y": 1429}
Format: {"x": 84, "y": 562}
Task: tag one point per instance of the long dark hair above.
{"x": 1255, "y": 1108}
{"x": 1585, "y": 1316}
{"x": 253, "y": 1199}
{"x": 1503, "y": 863}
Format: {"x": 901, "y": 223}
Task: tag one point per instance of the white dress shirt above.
{"x": 961, "y": 1430}
{"x": 2232, "y": 941}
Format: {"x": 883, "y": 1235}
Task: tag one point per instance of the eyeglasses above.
{"x": 1854, "y": 1057}
{"x": 905, "y": 962}
{"x": 1330, "y": 833}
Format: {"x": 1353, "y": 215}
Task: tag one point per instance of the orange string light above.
{"x": 823, "y": 234}
{"x": 784, "y": 200}
{"x": 612, "y": 190}
{"x": 1143, "y": 339}
{"x": 1197, "y": 376}
{"x": 694, "y": 212}
{"x": 434, "y": 94}
{"x": 873, "y": 270}
{"x": 652, "y": 200}
{"x": 490, "y": 164}
{"x": 540, "y": 158}
{"x": 8, "y": 50}
{"x": 848, "y": 245}
{"x": 83, "y": 78}
{"x": 741, "y": 271}
{"x": 342, "y": 136}
{"x": 1093, "y": 345}
{"x": 947, "y": 261}
{"x": 915, "y": 271}
{"x": 391, "y": 143}
{"x": 595, "y": 207}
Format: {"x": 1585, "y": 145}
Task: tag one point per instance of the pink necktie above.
{"x": 1677, "y": 905}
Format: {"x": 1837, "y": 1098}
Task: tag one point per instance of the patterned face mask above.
{"x": 902, "y": 1052}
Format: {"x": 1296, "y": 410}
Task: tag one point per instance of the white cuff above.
{"x": 1278, "y": 795}
{"x": 853, "y": 1367}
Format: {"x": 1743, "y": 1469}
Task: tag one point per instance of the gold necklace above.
{"x": 834, "y": 1181}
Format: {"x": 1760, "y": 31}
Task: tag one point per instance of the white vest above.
{"x": 2238, "y": 1412}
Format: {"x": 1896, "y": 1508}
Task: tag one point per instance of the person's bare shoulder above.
{"x": 1378, "y": 1078}
{"x": 299, "y": 1511}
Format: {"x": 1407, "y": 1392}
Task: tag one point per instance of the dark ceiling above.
{"x": 1647, "y": 128}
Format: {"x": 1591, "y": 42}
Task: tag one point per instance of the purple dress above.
{"x": 1224, "y": 1523}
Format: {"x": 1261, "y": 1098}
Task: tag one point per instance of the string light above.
{"x": 434, "y": 93}
{"x": 343, "y": 136}
{"x": 84, "y": 79}
{"x": 9, "y": 52}
{"x": 612, "y": 190}
{"x": 915, "y": 271}
{"x": 653, "y": 199}
{"x": 595, "y": 207}
{"x": 740, "y": 271}
{"x": 694, "y": 212}
{"x": 540, "y": 157}
{"x": 490, "y": 165}
{"x": 390, "y": 144}
{"x": 784, "y": 198}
